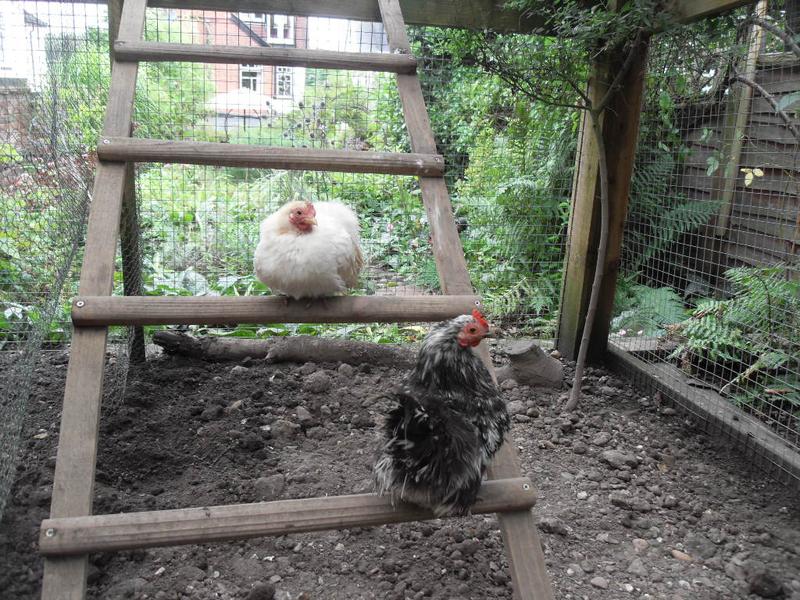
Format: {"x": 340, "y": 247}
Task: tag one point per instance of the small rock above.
{"x": 317, "y": 383}
{"x": 239, "y": 370}
{"x": 599, "y": 582}
{"x": 680, "y": 555}
{"x": 282, "y": 429}
{"x": 668, "y": 411}
{"x": 700, "y": 545}
{"x": 582, "y": 495}
{"x": 618, "y": 459}
{"x": 303, "y": 416}
{"x": 522, "y": 418}
{"x": 579, "y": 447}
{"x": 261, "y": 591}
{"x": 532, "y": 412}
{"x": 346, "y": 371}
{"x": 637, "y": 568}
{"x": 670, "y": 502}
{"x": 765, "y": 585}
{"x": 553, "y": 525}
{"x": 515, "y": 407}
{"x": 189, "y": 573}
{"x": 625, "y": 500}
{"x": 601, "y": 439}
{"x": 211, "y": 413}
{"x": 269, "y": 488}
{"x": 509, "y": 384}
{"x": 594, "y": 475}
{"x": 640, "y": 545}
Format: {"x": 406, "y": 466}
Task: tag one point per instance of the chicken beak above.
{"x": 311, "y": 221}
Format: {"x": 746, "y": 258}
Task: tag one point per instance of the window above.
{"x": 252, "y": 17}
{"x": 280, "y": 29}
{"x": 284, "y": 82}
{"x": 250, "y": 77}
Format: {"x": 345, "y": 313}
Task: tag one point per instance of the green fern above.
{"x": 757, "y": 330}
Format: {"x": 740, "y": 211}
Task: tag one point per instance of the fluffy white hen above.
{"x": 309, "y": 250}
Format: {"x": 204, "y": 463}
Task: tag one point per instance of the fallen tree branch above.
{"x": 298, "y": 349}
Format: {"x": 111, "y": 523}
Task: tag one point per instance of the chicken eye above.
{"x": 472, "y": 330}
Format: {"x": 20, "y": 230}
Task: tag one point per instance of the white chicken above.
{"x": 309, "y": 250}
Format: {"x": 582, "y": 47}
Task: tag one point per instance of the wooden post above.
{"x": 620, "y": 123}
{"x": 130, "y": 240}
{"x": 711, "y": 259}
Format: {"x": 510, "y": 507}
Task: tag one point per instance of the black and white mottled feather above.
{"x": 447, "y": 422}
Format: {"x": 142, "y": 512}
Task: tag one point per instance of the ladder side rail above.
{"x": 73, "y": 484}
{"x": 520, "y": 535}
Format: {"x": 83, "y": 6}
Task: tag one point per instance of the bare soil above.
{"x": 633, "y": 502}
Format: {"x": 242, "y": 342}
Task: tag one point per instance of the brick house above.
{"x": 252, "y": 91}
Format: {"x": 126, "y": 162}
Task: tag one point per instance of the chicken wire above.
{"x": 198, "y": 226}
{"x": 709, "y": 295}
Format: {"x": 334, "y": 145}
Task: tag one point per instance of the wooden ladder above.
{"x": 71, "y": 532}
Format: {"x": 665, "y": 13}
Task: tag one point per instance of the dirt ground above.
{"x": 633, "y": 503}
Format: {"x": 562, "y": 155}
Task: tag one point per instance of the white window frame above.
{"x": 280, "y": 38}
{"x": 253, "y": 17}
{"x": 284, "y": 71}
{"x": 257, "y": 77}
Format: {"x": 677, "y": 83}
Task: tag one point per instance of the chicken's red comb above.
{"x": 480, "y": 318}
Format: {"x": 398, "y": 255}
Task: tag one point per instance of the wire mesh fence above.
{"x": 708, "y": 296}
{"x": 710, "y": 290}
{"x": 198, "y": 225}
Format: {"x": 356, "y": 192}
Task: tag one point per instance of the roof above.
{"x": 33, "y": 20}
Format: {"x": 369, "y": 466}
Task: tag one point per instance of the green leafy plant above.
{"x": 756, "y": 333}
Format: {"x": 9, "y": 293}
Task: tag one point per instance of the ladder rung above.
{"x": 93, "y": 311}
{"x": 104, "y": 533}
{"x": 246, "y": 155}
{"x": 288, "y": 57}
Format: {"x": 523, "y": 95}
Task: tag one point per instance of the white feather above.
{"x": 323, "y": 262}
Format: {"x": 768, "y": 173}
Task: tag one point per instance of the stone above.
{"x": 530, "y": 365}
{"x": 509, "y": 384}
{"x": 515, "y": 407}
{"x": 670, "y": 501}
{"x": 239, "y": 370}
{"x": 579, "y": 447}
{"x": 303, "y": 416}
{"x": 550, "y": 524}
{"x": 346, "y": 371}
{"x": 261, "y": 591}
{"x": 601, "y": 439}
{"x": 624, "y": 499}
{"x": 618, "y": 459}
{"x": 680, "y": 555}
{"x": 211, "y": 413}
{"x": 640, "y": 545}
{"x": 130, "y": 588}
{"x": 270, "y": 487}
{"x": 317, "y": 383}
{"x": 282, "y": 429}
{"x": 700, "y": 545}
{"x": 765, "y": 585}
{"x": 637, "y": 568}
{"x": 599, "y": 582}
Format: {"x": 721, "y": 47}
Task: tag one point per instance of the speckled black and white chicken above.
{"x": 447, "y": 421}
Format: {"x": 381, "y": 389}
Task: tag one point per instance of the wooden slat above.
{"x": 288, "y": 57}
{"x": 520, "y": 535}
{"x": 198, "y": 310}
{"x": 447, "y": 250}
{"x": 688, "y": 11}
{"x": 467, "y": 14}
{"x": 104, "y": 533}
{"x": 73, "y": 484}
{"x": 245, "y": 155}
